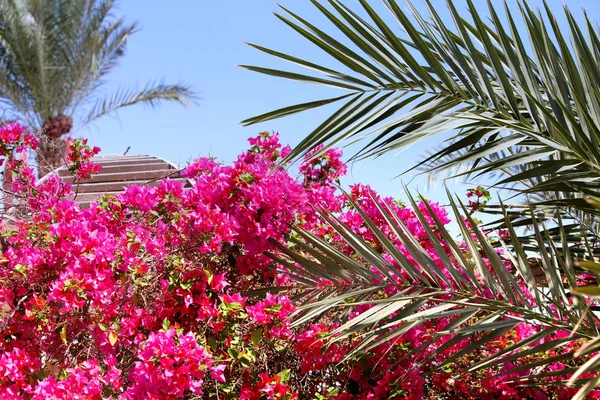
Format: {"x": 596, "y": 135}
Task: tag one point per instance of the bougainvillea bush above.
{"x": 165, "y": 292}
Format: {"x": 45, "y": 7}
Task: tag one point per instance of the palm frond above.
{"x": 538, "y": 102}
{"x": 151, "y": 95}
{"x": 474, "y": 289}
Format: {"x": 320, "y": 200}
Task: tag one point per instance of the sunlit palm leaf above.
{"x": 516, "y": 106}
{"x": 521, "y": 104}
{"x": 151, "y": 95}
{"x": 480, "y": 286}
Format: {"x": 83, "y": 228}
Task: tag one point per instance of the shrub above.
{"x": 166, "y": 292}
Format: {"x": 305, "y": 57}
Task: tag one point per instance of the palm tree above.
{"x": 55, "y": 57}
{"x": 520, "y": 94}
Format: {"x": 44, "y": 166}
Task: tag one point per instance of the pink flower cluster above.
{"x": 327, "y": 167}
{"x": 79, "y": 155}
{"x": 478, "y": 197}
{"x": 165, "y": 292}
{"x": 14, "y": 136}
{"x": 169, "y": 365}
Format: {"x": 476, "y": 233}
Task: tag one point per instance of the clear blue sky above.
{"x": 201, "y": 42}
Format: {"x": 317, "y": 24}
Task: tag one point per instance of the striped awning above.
{"x": 118, "y": 172}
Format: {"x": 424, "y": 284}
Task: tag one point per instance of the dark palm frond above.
{"x": 519, "y": 95}
{"x": 475, "y": 289}
{"x": 569, "y": 221}
{"x": 513, "y": 105}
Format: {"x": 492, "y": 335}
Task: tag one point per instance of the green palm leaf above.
{"x": 519, "y": 93}
{"x": 484, "y": 299}
{"x": 515, "y": 107}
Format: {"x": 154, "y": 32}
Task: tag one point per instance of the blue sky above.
{"x": 201, "y": 42}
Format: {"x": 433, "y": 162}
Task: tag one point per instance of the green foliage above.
{"x": 55, "y": 57}
{"x": 520, "y": 95}
{"x": 526, "y": 111}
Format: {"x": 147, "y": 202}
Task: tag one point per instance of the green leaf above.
{"x": 256, "y": 337}
{"x": 112, "y": 338}
{"x": 166, "y": 324}
{"x": 245, "y": 360}
{"x": 292, "y": 110}
{"x": 233, "y": 353}
{"x": 63, "y": 333}
{"x": 284, "y": 375}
